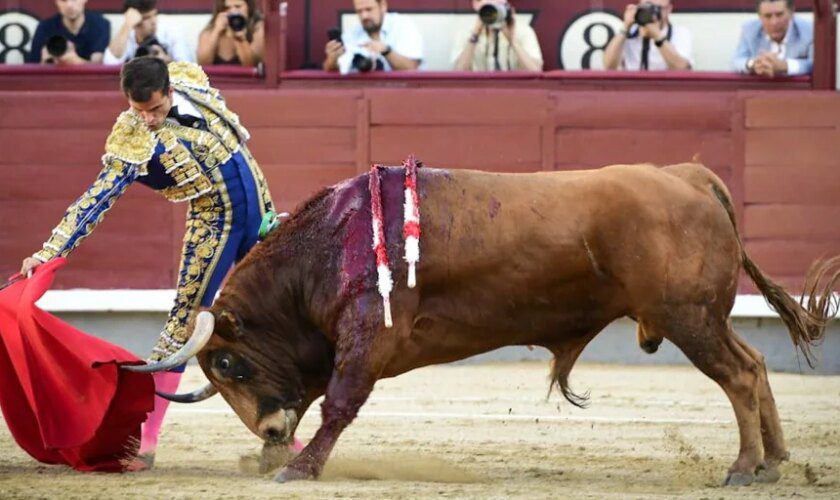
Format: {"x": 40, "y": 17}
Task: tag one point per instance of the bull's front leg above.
{"x": 347, "y": 391}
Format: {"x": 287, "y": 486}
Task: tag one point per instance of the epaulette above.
{"x": 188, "y": 74}
{"x": 130, "y": 140}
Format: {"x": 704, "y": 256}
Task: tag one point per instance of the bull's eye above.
{"x": 228, "y": 366}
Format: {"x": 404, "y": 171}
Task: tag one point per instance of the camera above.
{"x": 495, "y": 15}
{"x": 236, "y": 21}
{"x": 364, "y": 63}
{"x": 150, "y": 47}
{"x": 647, "y": 13}
{"x": 334, "y": 34}
{"x": 56, "y": 46}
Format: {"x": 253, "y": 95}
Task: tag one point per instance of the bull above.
{"x": 546, "y": 259}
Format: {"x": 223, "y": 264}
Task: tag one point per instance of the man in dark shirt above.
{"x": 72, "y": 36}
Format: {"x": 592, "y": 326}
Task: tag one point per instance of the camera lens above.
{"x": 362, "y": 63}
{"x": 646, "y": 14}
{"x": 236, "y": 22}
{"x": 494, "y": 15}
{"x": 57, "y": 45}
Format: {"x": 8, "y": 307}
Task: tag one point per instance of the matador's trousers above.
{"x": 221, "y": 227}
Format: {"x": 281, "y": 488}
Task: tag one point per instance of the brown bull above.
{"x": 544, "y": 259}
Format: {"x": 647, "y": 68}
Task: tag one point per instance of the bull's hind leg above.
{"x": 772, "y": 437}
{"x": 707, "y": 342}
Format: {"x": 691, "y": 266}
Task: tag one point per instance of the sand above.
{"x": 486, "y": 431}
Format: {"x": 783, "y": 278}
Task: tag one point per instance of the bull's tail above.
{"x": 807, "y": 319}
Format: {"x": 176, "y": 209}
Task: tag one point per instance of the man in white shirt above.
{"x": 482, "y": 49}
{"x": 384, "y": 41}
{"x": 140, "y": 30}
{"x": 649, "y": 42}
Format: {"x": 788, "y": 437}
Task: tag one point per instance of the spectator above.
{"x": 140, "y": 34}
{"x": 649, "y": 42}
{"x": 777, "y": 43}
{"x": 73, "y": 36}
{"x": 235, "y": 35}
{"x": 384, "y": 41}
{"x": 482, "y": 49}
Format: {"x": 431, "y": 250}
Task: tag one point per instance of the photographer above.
{"x": 482, "y": 49}
{"x": 140, "y": 34}
{"x": 649, "y": 42}
{"x": 234, "y": 36}
{"x": 383, "y": 41}
{"x": 73, "y": 36}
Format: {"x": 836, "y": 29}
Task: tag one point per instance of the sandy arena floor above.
{"x": 487, "y": 431}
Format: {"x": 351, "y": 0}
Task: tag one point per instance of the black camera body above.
{"x": 237, "y": 22}
{"x": 647, "y": 13}
{"x": 147, "y": 47}
{"x": 495, "y": 15}
{"x": 56, "y": 46}
{"x": 365, "y": 64}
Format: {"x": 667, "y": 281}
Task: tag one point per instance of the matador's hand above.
{"x": 29, "y": 265}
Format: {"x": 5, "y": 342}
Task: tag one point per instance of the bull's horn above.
{"x": 205, "y": 392}
{"x": 204, "y": 323}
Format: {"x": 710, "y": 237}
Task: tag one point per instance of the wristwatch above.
{"x": 750, "y": 65}
{"x": 474, "y": 38}
{"x": 386, "y": 51}
{"x": 661, "y": 41}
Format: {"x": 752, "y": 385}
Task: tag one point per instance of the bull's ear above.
{"x": 229, "y": 325}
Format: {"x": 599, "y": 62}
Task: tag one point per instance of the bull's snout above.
{"x": 278, "y": 427}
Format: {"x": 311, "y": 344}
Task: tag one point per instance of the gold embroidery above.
{"x": 130, "y": 140}
{"x": 187, "y": 73}
{"x": 207, "y": 231}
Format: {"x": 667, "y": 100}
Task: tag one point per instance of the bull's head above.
{"x": 267, "y": 379}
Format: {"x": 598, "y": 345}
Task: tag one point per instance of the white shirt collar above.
{"x": 778, "y": 48}
{"x": 184, "y": 105}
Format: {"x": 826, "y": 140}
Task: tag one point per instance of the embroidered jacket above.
{"x": 174, "y": 160}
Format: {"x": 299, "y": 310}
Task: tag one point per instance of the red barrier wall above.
{"x": 777, "y": 150}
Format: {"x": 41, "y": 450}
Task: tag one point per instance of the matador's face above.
{"x": 154, "y": 111}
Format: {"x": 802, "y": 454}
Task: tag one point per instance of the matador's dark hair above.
{"x": 143, "y": 76}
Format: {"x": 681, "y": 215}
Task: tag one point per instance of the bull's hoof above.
{"x": 291, "y": 474}
{"x": 273, "y": 457}
{"x": 739, "y": 479}
{"x": 767, "y": 474}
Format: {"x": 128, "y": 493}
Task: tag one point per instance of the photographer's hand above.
{"x": 396, "y": 60}
{"x": 465, "y": 58}
{"x": 333, "y": 50}
{"x": 509, "y": 29}
{"x": 71, "y": 57}
{"x": 629, "y": 17}
{"x": 220, "y": 24}
{"x": 375, "y": 46}
{"x": 159, "y": 52}
{"x": 208, "y": 40}
{"x": 651, "y": 31}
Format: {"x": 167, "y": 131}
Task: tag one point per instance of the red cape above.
{"x": 62, "y": 393}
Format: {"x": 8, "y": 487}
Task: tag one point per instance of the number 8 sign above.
{"x": 582, "y": 44}
{"x": 16, "y": 31}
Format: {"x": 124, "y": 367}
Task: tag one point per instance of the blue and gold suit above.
{"x": 212, "y": 169}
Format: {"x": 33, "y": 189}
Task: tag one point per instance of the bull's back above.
{"x": 585, "y": 237}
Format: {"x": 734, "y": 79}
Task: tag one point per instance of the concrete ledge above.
{"x": 150, "y": 301}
